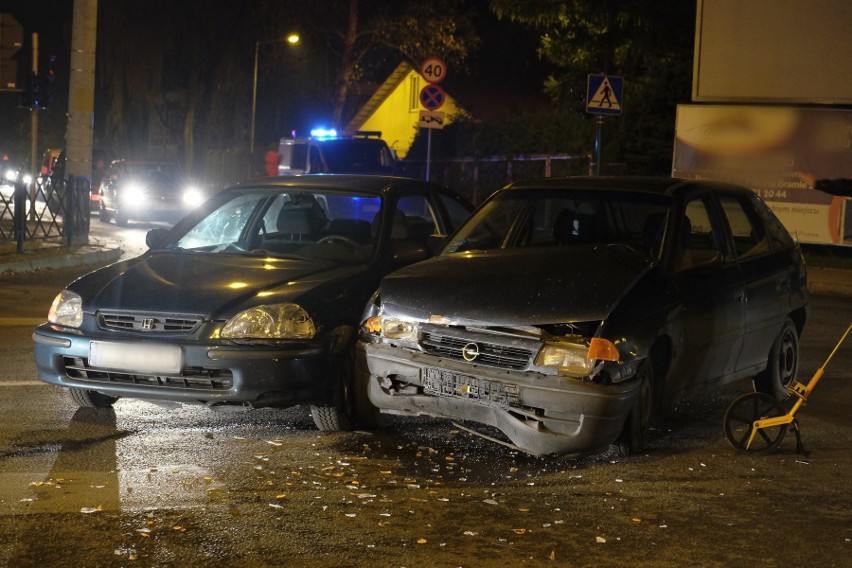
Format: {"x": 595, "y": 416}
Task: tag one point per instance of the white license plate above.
{"x": 139, "y": 357}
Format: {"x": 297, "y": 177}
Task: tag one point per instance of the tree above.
{"x": 648, "y": 43}
{"x": 185, "y": 68}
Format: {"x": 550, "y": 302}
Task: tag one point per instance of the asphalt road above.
{"x": 149, "y": 486}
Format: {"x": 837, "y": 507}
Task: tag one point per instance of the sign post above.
{"x": 603, "y": 97}
{"x": 432, "y": 97}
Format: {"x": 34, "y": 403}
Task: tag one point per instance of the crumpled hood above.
{"x": 516, "y": 287}
{"x": 212, "y": 285}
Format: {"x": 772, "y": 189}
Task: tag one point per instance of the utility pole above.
{"x": 81, "y": 90}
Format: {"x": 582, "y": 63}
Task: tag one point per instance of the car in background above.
{"x": 145, "y": 191}
{"x": 326, "y": 152}
{"x": 252, "y": 300}
{"x": 567, "y": 313}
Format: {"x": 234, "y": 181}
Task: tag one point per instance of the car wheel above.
{"x": 120, "y": 217}
{"x": 337, "y": 416}
{"x": 783, "y": 364}
{"x": 103, "y": 214}
{"x": 91, "y": 399}
{"x": 637, "y": 427}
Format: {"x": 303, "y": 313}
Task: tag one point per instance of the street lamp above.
{"x": 291, "y": 39}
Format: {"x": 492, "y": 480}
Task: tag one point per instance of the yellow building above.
{"x": 394, "y": 109}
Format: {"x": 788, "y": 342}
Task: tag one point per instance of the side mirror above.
{"x": 155, "y": 238}
{"x": 407, "y": 252}
{"x": 435, "y": 243}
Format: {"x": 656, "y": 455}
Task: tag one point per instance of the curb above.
{"x": 84, "y": 256}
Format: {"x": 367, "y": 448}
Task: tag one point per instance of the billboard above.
{"x": 776, "y": 51}
{"x": 782, "y": 153}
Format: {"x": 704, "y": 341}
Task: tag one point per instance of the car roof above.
{"x": 371, "y": 184}
{"x": 659, "y": 185}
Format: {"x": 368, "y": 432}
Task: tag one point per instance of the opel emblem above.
{"x": 470, "y": 351}
{"x": 148, "y": 323}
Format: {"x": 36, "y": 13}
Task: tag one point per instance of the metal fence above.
{"x": 45, "y": 211}
{"x": 475, "y": 178}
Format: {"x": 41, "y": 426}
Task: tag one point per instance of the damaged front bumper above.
{"x": 540, "y": 414}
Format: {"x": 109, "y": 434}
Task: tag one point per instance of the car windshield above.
{"x": 167, "y": 174}
{"x": 548, "y": 218}
{"x": 356, "y": 155}
{"x": 338, "y": 226}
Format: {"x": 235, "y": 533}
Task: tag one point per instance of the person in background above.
{"x": 270, "y": 160}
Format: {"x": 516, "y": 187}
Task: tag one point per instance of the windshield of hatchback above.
{"x": 157, "y": 174}
{"x": 337, "y": 226}
{"x": 558, "y": 218}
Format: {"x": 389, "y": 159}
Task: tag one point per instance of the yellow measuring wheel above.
{"x": 756, "y": 423}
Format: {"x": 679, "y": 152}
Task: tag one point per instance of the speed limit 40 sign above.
{"x": 433, "y": 70}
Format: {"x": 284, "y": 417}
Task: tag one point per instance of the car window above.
{"x": 293, "y": 223}
{"x": 414, "y": 219}
{"x": 564, "y": 218}
{"x": 222, "y": 226}
{"x": 777, "y": 233}
{"x": 457, "y": 211}
{"x": 748, "y": 233}
{"x": 698, "y": 241}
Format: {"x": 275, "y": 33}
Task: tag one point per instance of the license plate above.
{"x": 139, "y": 357}
{"x": 445, "y": 383}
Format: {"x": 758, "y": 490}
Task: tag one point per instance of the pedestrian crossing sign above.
{"x": 604, "y": 94}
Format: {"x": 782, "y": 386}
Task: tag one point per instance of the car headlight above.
{"x": 280, "y": 321}
{"x": 192, "y": 196}
{"x": 66, "y": 310}
{"x": 397, "y": 329}
{"x": 576, "y": 358}
{"x": 135, "y": 193}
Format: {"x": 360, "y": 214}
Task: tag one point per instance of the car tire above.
{"x": 783, "y": 363}
{"x": 637, "y": 428}
{"x": 120, "y": 218}
{"x": 337, "y": 416}
{"x": 103, "y": 214}
{"x": 91, "y": 399}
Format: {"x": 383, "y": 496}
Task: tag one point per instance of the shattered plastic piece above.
{"x": 470, "y": 533}
{"x": 275, "y": 443}
{"x": 276, "y": 506}
{"x": 600, "y": 539}
{"x": 351, "y": 515}
{"x": 422, "y": 541}
{"x": 89, "y": 510}
{"x": 519, "y": 531}
{"x": 490, "y": 502}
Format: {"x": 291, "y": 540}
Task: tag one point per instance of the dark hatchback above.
{"x": 253, "y": 300}
{"x": 145, "y": 191}
{"x": 567, "y": 313}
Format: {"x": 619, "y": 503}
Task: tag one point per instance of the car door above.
{"x": 709, "y": 282}
{"x": 768, "y": 277}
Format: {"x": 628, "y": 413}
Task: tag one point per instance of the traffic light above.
{"x": 39, "y": 91}
{"x": 11, "y": 40}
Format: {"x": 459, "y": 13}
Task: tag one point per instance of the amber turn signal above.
{"x": 603, "y": 350}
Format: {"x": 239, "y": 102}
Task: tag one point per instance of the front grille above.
{"x": 489, "y": 353}
{"x": 189, "y": 378}
{"x": 149, "y": 323}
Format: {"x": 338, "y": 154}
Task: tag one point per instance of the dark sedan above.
{"x": 253, "y": 300}
{"x": 567, "y": 313}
